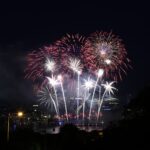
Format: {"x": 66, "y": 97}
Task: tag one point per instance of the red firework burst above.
{"x": 70, "y": 46}
{"x": 36, "y": 61}
{"x": 105, "y": 50}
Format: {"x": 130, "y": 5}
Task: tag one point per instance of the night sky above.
{"x": 25, "y": 27}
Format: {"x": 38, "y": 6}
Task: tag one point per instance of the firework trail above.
{"x": 76, "y": 67}
{"x": 64, "y": 98}
{"x": 100, "y": 74}
{"x": 46, "y": 98}
{"x": 88, "y": 84}
{"x": 108, "y": 88}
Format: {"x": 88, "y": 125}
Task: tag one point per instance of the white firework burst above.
{"x": 50, "y": 65}
{"x": 75, "y": 65}
{"x": 108, "y": 87}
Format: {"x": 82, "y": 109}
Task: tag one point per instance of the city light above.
{"x": 20, "y": 114}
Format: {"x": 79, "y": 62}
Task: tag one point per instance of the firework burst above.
{"x": 105, "y": 50}
{"x": 75, "y": 65}
{"x": 41, "y": 63}
{"x": 46, "y": 97}
{"x": 50, "y": 65}
{"x": 59, "y": 73}
{"x": 70, "y": 46}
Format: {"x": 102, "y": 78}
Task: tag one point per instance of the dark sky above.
{"x": 24, "y": 27}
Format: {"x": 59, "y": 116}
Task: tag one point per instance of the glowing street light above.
{"x": 20, "y": 114}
